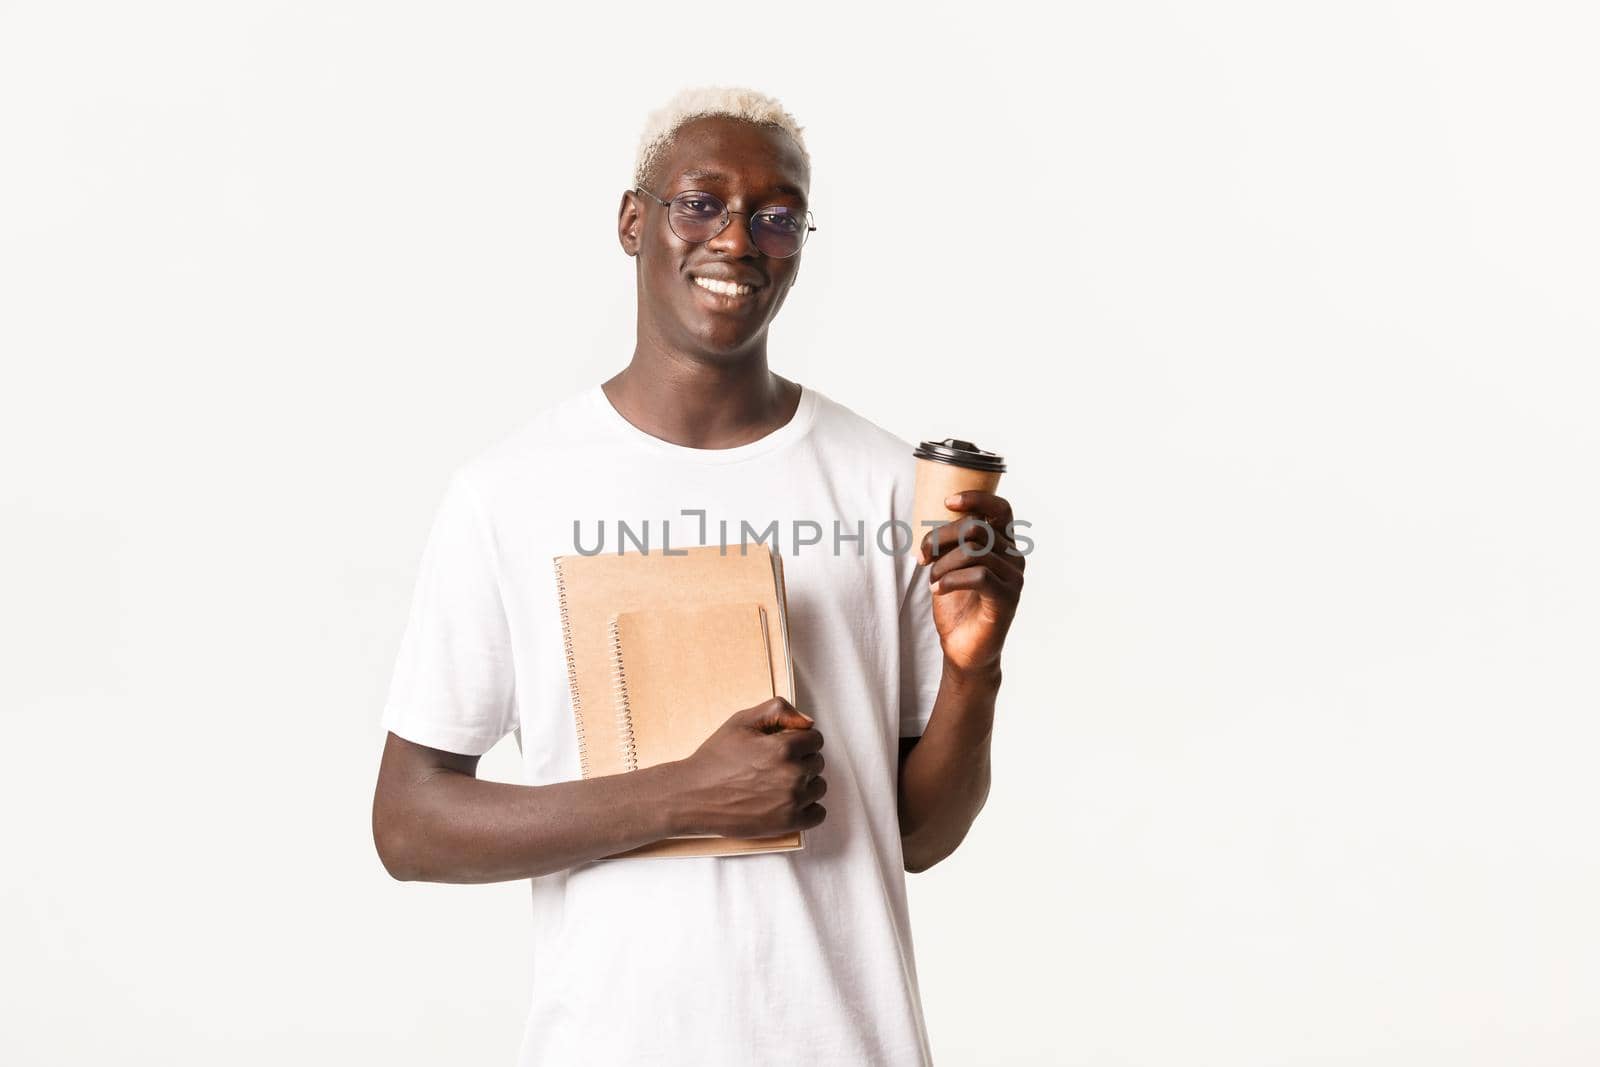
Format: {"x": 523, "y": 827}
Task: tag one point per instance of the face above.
{"x": 747, "y": 167}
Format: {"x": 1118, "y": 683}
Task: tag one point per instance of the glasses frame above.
{"x": 727, "y": 217}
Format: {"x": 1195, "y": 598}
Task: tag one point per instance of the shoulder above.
{"x": 841, "y": 427}
{"x": 874, "y": 459}
{"x": 548, "y": 440}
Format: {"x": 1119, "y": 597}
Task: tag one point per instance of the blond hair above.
{"x": 745, "y": 104}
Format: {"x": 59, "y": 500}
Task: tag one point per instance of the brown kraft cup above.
{"x": 945, "y": 467}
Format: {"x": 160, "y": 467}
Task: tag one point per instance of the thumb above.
{"x": 777, "y": 714}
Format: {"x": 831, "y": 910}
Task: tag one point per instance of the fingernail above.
{"x": 952, "y": 501}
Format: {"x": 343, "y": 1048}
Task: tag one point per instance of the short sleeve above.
{"x": 921, "y": 657}
{"x": 453, "y": 686}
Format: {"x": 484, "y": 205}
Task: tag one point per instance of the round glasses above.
{"x": 695, "y": 217}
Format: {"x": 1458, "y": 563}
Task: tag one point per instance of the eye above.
{"x": 781, "y": 221}
{"x": 700, "y": 206}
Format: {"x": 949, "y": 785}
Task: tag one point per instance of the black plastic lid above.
{"x": 960, "y": 454}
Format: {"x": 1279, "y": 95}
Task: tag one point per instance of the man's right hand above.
{"x": 759, "y": 775}
{"x": 434, "y": 820}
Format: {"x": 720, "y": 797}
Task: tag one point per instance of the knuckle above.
{"x": 802, "y": 742}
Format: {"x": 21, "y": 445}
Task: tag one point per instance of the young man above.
{"x": 796, "y": 957}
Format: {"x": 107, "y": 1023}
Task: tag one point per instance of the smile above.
{"x": 723, "y": 288}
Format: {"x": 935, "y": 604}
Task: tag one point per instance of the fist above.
{"x": 759, "y": 775}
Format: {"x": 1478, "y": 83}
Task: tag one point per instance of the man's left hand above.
{"x": 977, "y": 580}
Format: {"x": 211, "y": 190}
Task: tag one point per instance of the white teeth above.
{"x": 724, "y": 288}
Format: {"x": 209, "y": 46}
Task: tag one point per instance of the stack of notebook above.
{"x": 661, "y": 650}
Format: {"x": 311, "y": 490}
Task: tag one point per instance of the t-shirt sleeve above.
{"x": 921, "y": 658}
{"x": 453, "y": 686}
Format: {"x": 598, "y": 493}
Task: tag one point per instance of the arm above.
{"x": 434, "y": 820}
{"x": 944, "y": 775}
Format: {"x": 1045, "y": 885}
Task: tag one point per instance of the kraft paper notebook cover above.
{"x": 594, "y": 590}
{"x": 678, "y": 673}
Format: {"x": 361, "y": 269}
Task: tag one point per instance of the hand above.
{"x": 759, "y": 775}
{"x": 975, "y": 592}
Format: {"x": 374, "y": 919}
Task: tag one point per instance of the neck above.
{"x": 698, "y": 403}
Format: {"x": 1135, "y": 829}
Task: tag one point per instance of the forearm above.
{"x": 944, "y": 780}
{"x": 453, "y": 827}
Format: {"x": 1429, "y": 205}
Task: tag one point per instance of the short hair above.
{"x": 747, "y": 105}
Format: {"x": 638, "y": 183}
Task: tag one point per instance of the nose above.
{"x": 734, "y": 240}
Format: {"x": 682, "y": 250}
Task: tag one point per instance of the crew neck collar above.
{"x": 796, "y": 428}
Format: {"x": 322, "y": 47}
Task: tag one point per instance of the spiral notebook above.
{"x": 678, "y": 673}
{"x": 634, "y": 610}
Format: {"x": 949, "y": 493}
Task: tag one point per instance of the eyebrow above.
{"x": 718, "y": 176}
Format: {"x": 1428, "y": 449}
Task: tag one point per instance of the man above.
{"x": 792, "y": 957}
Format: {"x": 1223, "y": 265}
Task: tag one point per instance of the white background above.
{"x": 1285, "y": 314}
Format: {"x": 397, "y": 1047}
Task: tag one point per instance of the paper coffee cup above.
{"x": 945, "y": 467}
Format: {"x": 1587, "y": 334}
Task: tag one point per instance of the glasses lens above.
{"x": 696, "y": 217}
{"x": 779, "y": 231}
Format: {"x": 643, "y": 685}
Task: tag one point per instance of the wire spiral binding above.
{"x": 619, "y": 689}
{"x": 572, "y": 668}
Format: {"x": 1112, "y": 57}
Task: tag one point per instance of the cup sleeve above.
{"x": 921, "y": 658}
{"x": 453, "y": 685}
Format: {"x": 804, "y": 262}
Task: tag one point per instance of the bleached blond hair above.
{"x": 746, "y": 104}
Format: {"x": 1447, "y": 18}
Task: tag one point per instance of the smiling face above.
{"x": 715, "y": 299}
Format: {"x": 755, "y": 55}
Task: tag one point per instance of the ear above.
{"x": 629, "y": 222}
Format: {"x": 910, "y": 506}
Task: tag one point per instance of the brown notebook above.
{"x": 678, "y": 673}
{"x": 593, "y": 591}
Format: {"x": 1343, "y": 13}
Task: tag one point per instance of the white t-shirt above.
{"x": 786, "y": 958}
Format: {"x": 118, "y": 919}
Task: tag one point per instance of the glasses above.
{"x": 695, "y": 217}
